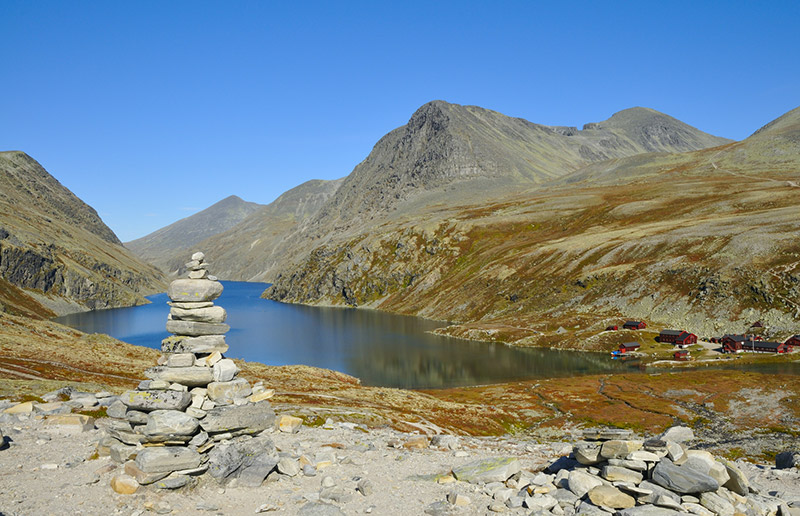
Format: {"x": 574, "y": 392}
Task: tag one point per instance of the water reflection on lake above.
{"x": 379, "y": 348}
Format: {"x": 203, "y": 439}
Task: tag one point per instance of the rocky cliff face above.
{"x": 704, "y": 240}
{"x": 57, "y": 250}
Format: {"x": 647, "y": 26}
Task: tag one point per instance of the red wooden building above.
{"x": 735, "y": 343}
{"x": 628, "y": 347}
{"x": 739, "y": 343}
{"x": 634, "y": 325}
{"x": 677, "y": 337}
{"x": 681, "y": 354}
{"x": 793, "y": 341}
{"x": 612, "y": 328}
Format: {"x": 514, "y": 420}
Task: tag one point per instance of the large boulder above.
{"x": 148, "y": 400}
{"x": 249, "y": 419}
{"x": 483, "y": 471}
{"x": 580, "y": 482}
{"x": 681, "y": 479}
{"x": 182, "y": 290}
{"x": 678, "y": 434}
{"x": 788, "y": 459}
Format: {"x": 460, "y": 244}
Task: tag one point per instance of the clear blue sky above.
{"x": 150, "y": 111}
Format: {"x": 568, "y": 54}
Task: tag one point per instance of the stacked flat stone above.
{"x": 165, "y": 430}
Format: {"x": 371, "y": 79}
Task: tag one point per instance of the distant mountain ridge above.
{"x": 56, "y": 254}
{"x": 179, "y": 238}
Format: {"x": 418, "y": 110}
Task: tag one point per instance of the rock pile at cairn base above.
{"x": 171, "y": 426}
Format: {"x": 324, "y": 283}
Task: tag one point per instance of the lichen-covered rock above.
{"x": 250, "y": 418}
{"x": 156, "y": 400}
{"x": 201, "y": 344}
{"x": 483, "y": 471}
{"x": 189, "y": 376}
{"x": 183, "y": 290}
{"x": 167, "y": 459}
{"x": 169, "y": 423}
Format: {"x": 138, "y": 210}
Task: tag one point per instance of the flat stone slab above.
{"x": 483, "y": 471}
{"x": 252, "y": 418}
{"x": 169, "y": 423}
{"x": 189, "y": 376}
{"x": 71, "y": 422}
{"x": 212, "y": 314}
{"x": 167, "y": 459}
{"x": 182, "y": 290}
{"x": 196, "y": 329}
{"x": 156, "y": 400}
{"x": 202, "y": 344}
{"x": 682, "y": 480}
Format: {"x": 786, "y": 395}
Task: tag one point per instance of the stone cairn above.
{"x": 194, "y": 414}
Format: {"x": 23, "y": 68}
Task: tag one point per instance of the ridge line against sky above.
{"x": 151, "y": 111}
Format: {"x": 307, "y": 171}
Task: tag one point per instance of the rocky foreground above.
{"x": 55, "y": 462}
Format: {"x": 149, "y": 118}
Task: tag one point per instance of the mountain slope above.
{"x": 705, "y": 240}
{"x": 445, "y": 144}
{"x": 179, "y": 238}
{"x": 246, "y": 251}
{"x": 56, "y": 254}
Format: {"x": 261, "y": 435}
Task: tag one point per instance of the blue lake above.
{"x": 379, "y": 348}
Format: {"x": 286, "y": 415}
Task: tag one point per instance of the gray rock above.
{"x": 788, "y": 459}
{"x": 251, "y": 418}
{"x": 618, "y": 474}
{"x": 167, "y": 459}
{"x": 636, "y": 465}
{"x": 657, "y": 446}
{"x": 678, "y": 434}
{"x": 212, "y": 314}
{"x": 565, "y": 497}
{"x": 226, "y": 392}
{"x": 540, "y": 502}
{"x": 364, "y": 487}
{"x": 617, "y": 449}
{"x": 581, "y": 482}
{"x": 716, "y": 504}
{"x": 225, "y": 370}
{"x": 223, "y": 461}
{"x": 255, "y": 470}
{"x": 607, "y": 434}
{"x": 655, "y": 491}
{"x": 645, "y": 456}
{"x": 180, "y": 360}
{"x": 198, "y": 274}
{"x": 196, "y": 329}
{"x": 202, "y": 344}
{"x": 136, "y": 417}
{"x": 482, "y": 471}
{"x": 189, "y": 305}
{"x": 288, "y": 466}
{"x": 451, "y": 442}
{"x": 319, "y": 509}
{"x": 440, "y": 508}
{"x": 189, "y": 376}
{"x": 183, "y": 290}
{"x": 681, "y": 479}
{"x": 156, "y": 400}
{"x": 674, "y": 451}
{"x": 173, "y": 482}
{"x": 738, "y": 482}
{"x": 647, "y": 510}
{"x": 589, "y": 508}
{"x": 669, "y": 503}
{"x": 117, "y": 410}
{"x": 587, "y": 453}
{"x": 696, "y": 508}
{"x": 608, "y": 496}
{"x": 170, "y": 422}
{"x": 122, "y": 453}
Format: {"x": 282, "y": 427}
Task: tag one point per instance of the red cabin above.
{"x": 793, "y": 341}
{"x": 681, "y": 354}
{"x": 677, "y": 337}
{"x": 634, "y": 325}
{"x": 629, "y": 346}
{"x": 612, "y": 328}
{"x": 735, "y": 343}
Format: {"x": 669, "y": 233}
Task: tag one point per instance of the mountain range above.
{"x": 510, "y": 229}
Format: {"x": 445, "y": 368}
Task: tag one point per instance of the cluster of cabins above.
{"x": 740, "y": 343}
{"x": 730, "y": 343}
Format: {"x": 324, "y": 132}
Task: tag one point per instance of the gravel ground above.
{"x": 48, "y": 470}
